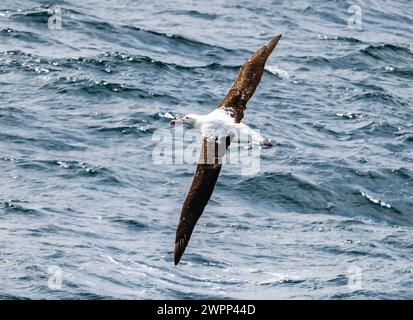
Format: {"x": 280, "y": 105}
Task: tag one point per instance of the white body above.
{"x": 219, "y": 124}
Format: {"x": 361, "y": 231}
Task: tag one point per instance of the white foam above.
{"x": 277, "y": 71}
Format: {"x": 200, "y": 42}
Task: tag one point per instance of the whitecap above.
{"x": 281, "y": 73}
{"x": 375, "y": 200}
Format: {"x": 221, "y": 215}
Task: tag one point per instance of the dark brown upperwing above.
{"x": 247, "y": 81}
{"x": 203, "y": 183}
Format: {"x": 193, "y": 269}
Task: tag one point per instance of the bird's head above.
{"x": 189, "y": 119}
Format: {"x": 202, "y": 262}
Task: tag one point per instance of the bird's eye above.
{"x": 187, "y": 118}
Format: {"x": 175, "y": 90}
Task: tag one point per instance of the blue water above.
{"x": 79, "y": 189}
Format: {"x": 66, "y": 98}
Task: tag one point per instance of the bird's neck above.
{"x": 199, "y": 120}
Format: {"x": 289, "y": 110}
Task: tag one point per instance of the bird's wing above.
{"x": 247, "y": 81}
{"x": 206, "y": 175}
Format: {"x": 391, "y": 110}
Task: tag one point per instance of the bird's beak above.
{"x": 177, "y": 121}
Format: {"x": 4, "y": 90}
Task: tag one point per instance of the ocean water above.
{"x": 85, "y": 213}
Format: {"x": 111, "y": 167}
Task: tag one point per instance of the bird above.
{"x": 218, "y": 129}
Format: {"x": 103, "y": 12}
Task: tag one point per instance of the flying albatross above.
{"x": 217, "y": 130}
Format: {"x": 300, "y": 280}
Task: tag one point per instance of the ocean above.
{"x": 86, "y": 212}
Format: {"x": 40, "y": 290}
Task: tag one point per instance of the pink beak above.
{"x": 177, "y": 121}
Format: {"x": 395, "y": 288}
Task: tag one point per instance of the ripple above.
{"x": 130, "y": 224}
{"x": 339, "y": 38}
{"x": 193, "y": 13}
{"x": 285, "y": 189}
{"x": 25, "y": 36}
{"x": 386, "y": 52}
{"x": 13, "y": 207}
{"x": 176, "y": 39}
{"x": 379, "y": 97}
{"x": 91, "y": 86}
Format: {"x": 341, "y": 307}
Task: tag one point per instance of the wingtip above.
{"x": 178, "y": 252}
{"x": 176, "y": 259}
{"x": 273, "y": 42}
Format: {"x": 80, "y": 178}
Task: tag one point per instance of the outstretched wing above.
{"x": 203, "y": 183}
{"x": 247, "y": 81}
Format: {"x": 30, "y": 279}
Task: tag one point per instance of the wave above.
{"x": 25, "y": 36}
{"x": 36, "y": 15}
{"x": 365, "y": 58}
{"x": 130, "y": 224}
{"x": 287, "y": 190}
{"x": 193, "y": 13}
{"x": 401, "y": 72}
{"x": 69, "y": 169}
{"x": 379, "y": 96}
{"x": 384, "y": 52}
{"x": 375, "y": 200}
{"x": 178, "y": 39}
{"x": 125, "y": 130}
{"x": 155, "y": 40}
{"x": 115, "y": 58}
{"x": 379, "y": 128}
{"x": 276, "y": 71}
{"x": 294, "y": 193}
{"x": 90, "y": 86}
{"x": 339, "y": 38}
{"x": 106, "y": 62}
{"x": 402, "y": 173}
{"x": 15, "y": 207}
{"x": 51, "y": 143}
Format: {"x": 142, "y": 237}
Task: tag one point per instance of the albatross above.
{"x": 218, "y": 129}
